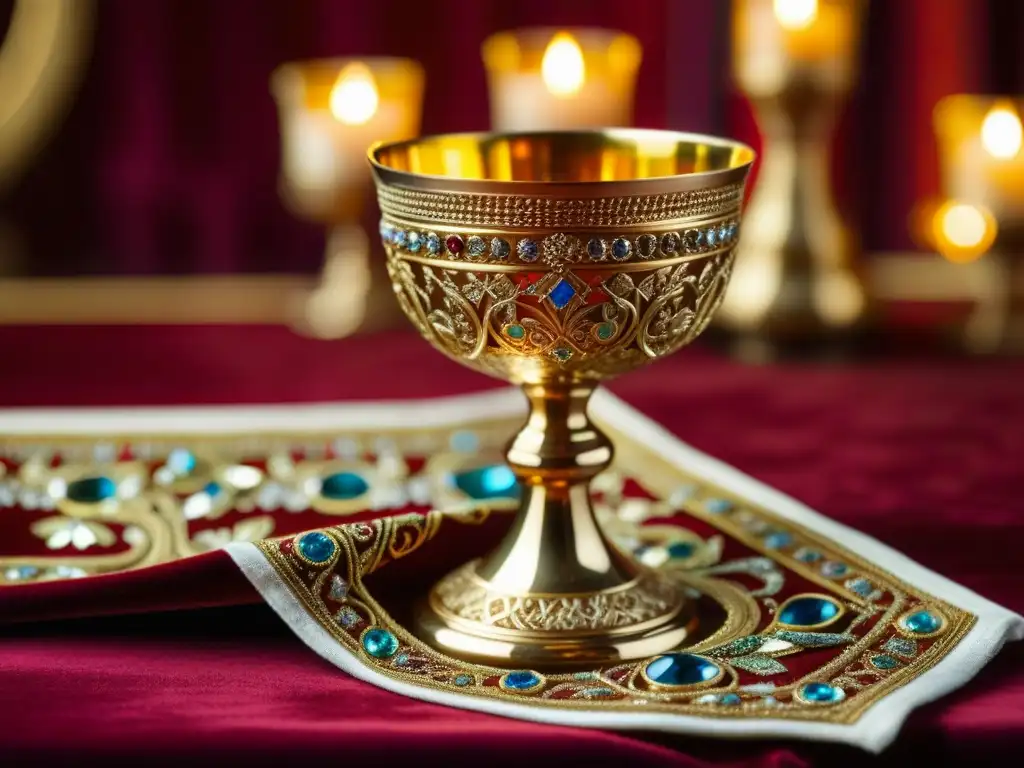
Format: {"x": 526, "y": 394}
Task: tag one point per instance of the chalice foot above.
{"x": 557, "y": 261}
{"x": 556, "y": 591}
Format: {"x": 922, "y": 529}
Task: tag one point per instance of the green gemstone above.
{"x": 605, "y": 331}
{"x": 884, "y": 661}
{"x": 561, "y": 354}
{"x": 515, "y": 331}
{"x": 380, "y": 643}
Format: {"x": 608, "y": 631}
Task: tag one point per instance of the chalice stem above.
{"x": 555, "y": 544}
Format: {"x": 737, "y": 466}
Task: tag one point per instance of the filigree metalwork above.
{"x": 569, "y": 321}
{"x": 464, "y": 596}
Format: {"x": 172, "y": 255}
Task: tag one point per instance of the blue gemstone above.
{"x": 884, "y": 661}
{"x": 597, "y": 248}
{"x": 730, "y": 699}
{"x": 717, "y": 506}
{"x": 401, "y": 238}
{"x": 711, "y": 237}
{"x": 212, "y": 489}
{"x": 527, "y": 250}
{"x": 621, "y": 249}
{"x": 723, "y": 234}
{"x": 494, "y": 482}
{"x": 681, "y": 550}
{"x": 862, "y": 587}
{"x": 808, "y": 611}
{"x": 561, "y": 294}
{"x": 463, "y": 680}
{"x": 522, "y": 680}
{"x": 401, "y": 659}
{"x": 681, "y": 669}
{"x": 433, "y": 244}
{"x": 805, "y": 555}
{"x": 701, "y": 238}
{"x": 922, "y": 623}
{"x": 317, "y": 547}
{"x": 385, "y": 230}
{"x": 91, "y": 490}
{"x": 380, "y": 643}
{"x": 343, "y": 485}
{"x": 778, "y": 540}
{"x": 415, "y": 242}
{"x": 180, "y": 461}
{"x": 819, "y": 693}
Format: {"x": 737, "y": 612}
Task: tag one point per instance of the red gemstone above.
{"x": 454, "y": 244}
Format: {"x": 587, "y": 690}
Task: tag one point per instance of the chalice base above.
{"x": 468, "y": 617}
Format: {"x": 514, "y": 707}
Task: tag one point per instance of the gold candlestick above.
{"x": 795, "y": 279}
{"x": 330, "y": 112}
{"x": 510, "y": 256}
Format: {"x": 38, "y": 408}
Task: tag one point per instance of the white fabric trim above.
{"x": 875, "y": 729}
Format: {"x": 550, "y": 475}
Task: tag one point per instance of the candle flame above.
{"x": 795, "y": 14}
{"x": 1001, "y": 132}
{"x": 354, "y": 97}
{"x": 562, "y": 68}
{"x": 964, "y": 231}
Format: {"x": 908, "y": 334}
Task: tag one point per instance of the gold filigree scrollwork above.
{"x": 583, "y": 319}
{"x": 465, "y": 597}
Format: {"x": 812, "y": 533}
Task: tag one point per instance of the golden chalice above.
{"x": 556, "y": 261}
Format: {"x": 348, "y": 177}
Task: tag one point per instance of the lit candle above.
{"x": 982, "y": 151}
{"x": 774, "y": 37}
{"x": 330, "y": 114}
{"x": 582, "y": 80}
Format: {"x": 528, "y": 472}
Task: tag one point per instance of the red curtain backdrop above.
{"x": 168, "y": 160}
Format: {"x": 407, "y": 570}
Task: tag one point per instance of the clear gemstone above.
{"x": 339, "y": 588}
{"x": 476, "y": 246}
{"x": 500, "y": 248}
{"x": 597, "y": 249}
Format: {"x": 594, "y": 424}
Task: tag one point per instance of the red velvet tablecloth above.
{"x": 926, "y": 455}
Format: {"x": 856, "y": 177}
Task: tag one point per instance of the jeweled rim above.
{"x": 649, "y": 145}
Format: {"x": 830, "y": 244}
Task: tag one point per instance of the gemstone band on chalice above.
{"x": 556, "y": 261}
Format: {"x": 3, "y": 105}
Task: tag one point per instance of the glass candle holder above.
{"x": 981, "y": 160}
{"x": 551, "y": 79}
{"x": 330, "y": 112}
{"x": 981, "y": 153}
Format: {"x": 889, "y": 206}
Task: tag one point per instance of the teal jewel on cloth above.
{"x": 922, "y": 623}
{"x": 821, "y": 693}
{"x": 343, "y": 485}
{"x": 317, "y": 547}
{"x": 494, "y": 482}
{"x": 380, "y": 643}
{"x": 520, "y": 680}
{"x": 91, "y": 490}
{"x": 808, "y": 611}
{"x": 681, "y": 669}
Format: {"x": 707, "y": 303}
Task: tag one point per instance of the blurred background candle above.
{"x": 549, "y": 79}
{"x": 330, "y": 111}
{"x": 981, "y": 161}
{"x": 796, "y": 283}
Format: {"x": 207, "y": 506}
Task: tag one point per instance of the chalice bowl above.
{"x": 557, "y": 261}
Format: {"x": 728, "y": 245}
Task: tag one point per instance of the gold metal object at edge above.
{"x": 797, "y": 277}
{"x": 576, "y": 256}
